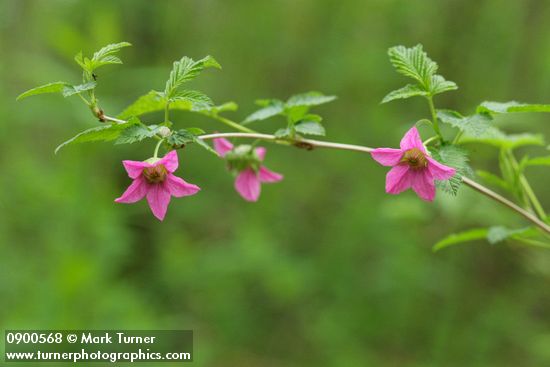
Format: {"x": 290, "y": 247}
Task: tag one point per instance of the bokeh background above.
{"x": 325, "y": 270}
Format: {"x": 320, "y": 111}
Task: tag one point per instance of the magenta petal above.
{"x": 178, "y": 187}
{"x": 222, "y": 146}
{"x": 248, "y": 185}
{"x": 135, "y": 168}
{"x": 440, "y": 171}
{"x": 267, "y": 175}
{"x": 158, "y": 198}
{"x": 135, "y": 192}
{"x": 260, "y": 152}
{"x": 412, "y": 140}
{"x": 398, "y": 179}
{"x": 169, "y": 161}
{"x": 423, "y": 184}
{"x": 387, "y": 156}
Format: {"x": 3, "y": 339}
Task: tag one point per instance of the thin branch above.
{"x": 310, "y": 143}
{"x": 493, "y": 195}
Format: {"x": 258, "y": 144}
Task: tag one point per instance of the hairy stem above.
{"x": 434, "y": 117}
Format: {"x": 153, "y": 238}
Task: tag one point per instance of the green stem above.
{"x": 167, "y": 113}
{"x": 83, "y": 99}
{"x": 527, "y": 189}
{"x": 434, "y": 118}
{"x": 233, "y": 124}
{"x": 156, "y": 154}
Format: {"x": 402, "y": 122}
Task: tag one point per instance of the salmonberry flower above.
{"x": 412, "y": 167}
{"x": 154, "y": 178}
{"x": 245, "y": 161}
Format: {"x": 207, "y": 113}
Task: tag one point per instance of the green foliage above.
{"x": 56, "y": 87}
{"x": 497, "y": 138}
{"x": 105, "y": 56}
{"x": 182, "y": 137}
{"x": 410, "y": 90}
{"x": 475, "y": 125}
{"x": 494, "y": 180}
{"x": 70, "y": 90}
{"x": 511, "y": 106}
{"x": 154, "y": 101}
{"x": 414, "y": 63}
{"x": 296, "y": 111}
{"x": 537, "y": 161}
{"x": 99, "y": 133}
{"x": 456, "y": 157}
{"x": 185, "y": 70}
{"x": 461, "y": 237}
{"x": 137, "y": 133}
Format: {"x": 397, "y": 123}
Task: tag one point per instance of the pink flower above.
{"x": 249, "y": 177}
{"x": 412, "y": 167}
{"x": 154, "y": 178}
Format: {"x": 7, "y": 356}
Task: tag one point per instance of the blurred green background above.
{"x": 325, "y": 270}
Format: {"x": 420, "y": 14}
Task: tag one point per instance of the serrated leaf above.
{"x": 154, "y": 101}
{"x": 56, "y": 87}
{"x": 186, "y": 69}
{"x": 99, "y": 133}
{"x": 199, "y": 101}
{"x": 511, "y": 106}
{"x": 147, "y": 103}
{"x": 410, "y": 90}
{"x": 137, "y": 133}
{"x": 70, "y": 90}
{"x": 440, "y": 85}
{"x": 195, "y": 130}
{"x": 183, "y": 137}
{"x": 273, "y": 109}
{"x": 308, "y": 99}
{"x": 228, "y": 106}
{"x": 414, "y": 63}
{"x": 461, "y": 237}
{"x": 282, "y": 133}
{"x": 496, "y": 137}
{"x": 310, "y": 127}
{"x": 456, "y": 157}
{"x": 474, "y": 125}
{"x": 105, "y": 56}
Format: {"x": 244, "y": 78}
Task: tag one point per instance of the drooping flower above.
{"x": 246, "y": 162}
{"x": 412, "y": 167}
{"x": 155, "y": 180}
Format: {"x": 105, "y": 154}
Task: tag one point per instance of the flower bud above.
{"x": 164, "y": 131}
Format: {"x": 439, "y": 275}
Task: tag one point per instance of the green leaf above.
{"x": 137, "y": 133}
{"x": 456, "y": 157}
{"x": 104, "y": 56}
{"x": 274, "y": 108}
{"x": 498, "y": 234}
{"x": 475, "y": 125}
{"x": 538, "y": 161}
{"x": 308, "y": 99}
{"x": 410, "y": 90}
{"x": 496, "y": 137}
{"x": 150, "y": 102}
{"x": 70, "y": 90}
{"x": 214, "y": 110}
{"x": 99, "y": 133}
{"x": 183, "y": 137}
{"x": 440, "y": 85}
{"x": 511, "y": 106}
{"x": 186, "y": 69}
{"x": 199, "y": 101}
{"x": 461, "y": 237}
{"x": 414, "y": 63}
{"x": 310, "y": 127}
{"x": 56, "y": 87}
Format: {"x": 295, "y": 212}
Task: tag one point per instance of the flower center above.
{"x": 155, "y": 174}
{"x": 415, "y": 158}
